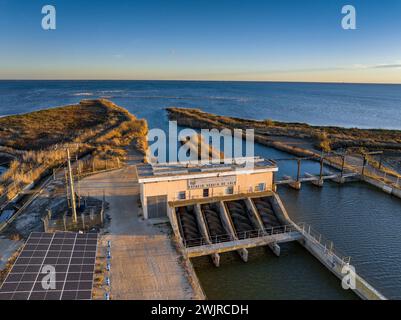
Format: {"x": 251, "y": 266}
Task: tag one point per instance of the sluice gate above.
{"x": 188, "y": 224}
{"x": 214, "y": 225}
{"x": 240, "y": 218}
{"x": 238, "y": 224}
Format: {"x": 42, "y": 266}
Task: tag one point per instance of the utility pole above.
{"x": 67, "y": 194}
{"x": 364, "y": 165}
{"x": 73, "y": 205}
{"x": 381, "y": 161}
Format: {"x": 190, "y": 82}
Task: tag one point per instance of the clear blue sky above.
{"x": 281, "y": 40}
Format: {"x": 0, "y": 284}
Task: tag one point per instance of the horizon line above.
{"x": 202, "y": 80}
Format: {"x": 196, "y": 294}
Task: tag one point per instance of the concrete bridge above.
{"x": 316, "y": 180}
{"x": 253, "y": 239}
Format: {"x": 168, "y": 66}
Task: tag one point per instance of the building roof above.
{"x": 193, "y": 169}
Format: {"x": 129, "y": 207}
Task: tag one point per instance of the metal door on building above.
{"x": 157, "y": 206}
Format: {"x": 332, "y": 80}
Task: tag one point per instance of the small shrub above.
{"x": 268, "y": 122}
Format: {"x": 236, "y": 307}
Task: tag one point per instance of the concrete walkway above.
{"x": 144, "y": 264}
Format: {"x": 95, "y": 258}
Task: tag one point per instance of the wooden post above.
{"x": 364, "y": 164}
{"x": 66, "y": 188}
{"x": 381, "y": 161}
{"x": 299, "y": 169}
{"x": 79, "y": 194}
{"x": 45, "y": 224}
{"x": 321, "y": 168}
{"x": 342, "y": 165}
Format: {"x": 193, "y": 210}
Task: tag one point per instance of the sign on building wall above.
{"x": 204, "y": 183}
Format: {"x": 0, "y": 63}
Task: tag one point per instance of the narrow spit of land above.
{"x": 96, "y": 132}
{"x": 303, "y": 140}
{"x": 36, "y": 142}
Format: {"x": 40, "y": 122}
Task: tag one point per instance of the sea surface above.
{"x": 348, "y": 105}
{"x": 361, "y": 221}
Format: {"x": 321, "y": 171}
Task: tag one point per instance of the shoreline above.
{"x": 297, "y": 139}
{"x": 203, "y": 80}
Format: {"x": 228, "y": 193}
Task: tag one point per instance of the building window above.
{"x": 205, "y": 193}
{"x": 182, "y": 195}
{"x": 230, "y": 190}
{"x": 260, "y": 187}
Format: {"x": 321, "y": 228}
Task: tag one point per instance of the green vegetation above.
{"x": 39, "y": 140}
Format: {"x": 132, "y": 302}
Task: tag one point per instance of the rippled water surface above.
{"x": 362, "y": 221}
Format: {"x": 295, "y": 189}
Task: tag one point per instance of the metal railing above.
{"x": 327, "y": 246}
{"x": 197, "y": 242}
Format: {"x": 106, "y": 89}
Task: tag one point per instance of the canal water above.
{"x": 361, "y": 221}
{"x": 2, "y": 170}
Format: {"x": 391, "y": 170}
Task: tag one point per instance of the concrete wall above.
{"x": 362, "y": 288}
{"x": 384, "y": 187}
{"x": 244, "y": 183}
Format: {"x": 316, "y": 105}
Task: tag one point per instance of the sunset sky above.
{"x": 281, "y": 40}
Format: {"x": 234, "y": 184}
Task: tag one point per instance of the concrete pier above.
{"x": 205, "y": 234}
{"x": 274, "y": 247}
{"x": 317, "y": 180}
{"x": 228, "y": 224}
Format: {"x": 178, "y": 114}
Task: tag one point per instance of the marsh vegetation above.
{"x": 38, "y": 141}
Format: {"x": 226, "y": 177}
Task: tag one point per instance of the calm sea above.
{"x": 362, "y": 221}
{"x": 349, "y": 105}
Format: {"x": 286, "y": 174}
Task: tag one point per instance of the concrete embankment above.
{"x": 340, "y": 269}
{"x": 328, "y": 256}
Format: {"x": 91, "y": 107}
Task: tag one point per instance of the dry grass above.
{"x": 40, "y": 139}
{"x": 9, "y": 265}
{"x": 359, "y": 141}
{"x": 324, "y": 137}
{"x": 322, "y": 141}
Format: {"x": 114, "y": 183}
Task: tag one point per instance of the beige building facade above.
{"x": 162, "y": 184}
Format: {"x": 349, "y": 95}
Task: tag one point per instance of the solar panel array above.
{"x": 53, "y": 266}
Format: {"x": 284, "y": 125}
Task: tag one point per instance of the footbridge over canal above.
{"x": 346, "y": 172}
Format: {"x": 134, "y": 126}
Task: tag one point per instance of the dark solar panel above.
{"x": 53, "y": 266}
